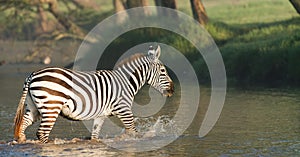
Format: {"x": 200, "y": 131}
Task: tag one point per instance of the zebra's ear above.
{"x": 154, "y": 52}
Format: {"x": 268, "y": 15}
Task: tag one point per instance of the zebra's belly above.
{"x": 67, "y": 113}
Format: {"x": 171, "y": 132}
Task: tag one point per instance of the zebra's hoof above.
{"x": 43, "y": 140}
{"x": 21, "y": 139}
{"x": 95, "y": 140}
{"x": 13, "y": 142}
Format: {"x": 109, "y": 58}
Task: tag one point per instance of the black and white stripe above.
{"x": 89, "y": 95}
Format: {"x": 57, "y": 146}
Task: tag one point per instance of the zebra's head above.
{"x": 158, "y": 76}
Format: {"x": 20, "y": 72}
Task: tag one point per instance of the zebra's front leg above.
{"x": 126, "y": 117}
{"x": 98, "y": 122}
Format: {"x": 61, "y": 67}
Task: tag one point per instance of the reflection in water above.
{"x": 252, "y": 123}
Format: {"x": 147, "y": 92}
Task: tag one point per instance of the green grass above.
{"x": 238, "y": 12}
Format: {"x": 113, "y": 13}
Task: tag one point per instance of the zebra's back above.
{"x": 79, "y": 95}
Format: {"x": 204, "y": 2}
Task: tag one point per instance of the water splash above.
{"x": 153, "y": 133}
{"x": 162, "y": 126}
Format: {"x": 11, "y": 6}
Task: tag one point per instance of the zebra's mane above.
{"x": 129, "y": 59}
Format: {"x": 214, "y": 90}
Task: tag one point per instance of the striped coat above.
{"x": 88, "y": 95}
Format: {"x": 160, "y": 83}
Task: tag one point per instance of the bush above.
{"x": 264, "y": 57}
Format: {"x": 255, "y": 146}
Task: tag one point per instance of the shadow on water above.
{"x": 252, "y": 123}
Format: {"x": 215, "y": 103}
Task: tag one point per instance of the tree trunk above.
{"x": 134, "y": 3}
{"x": 119, "y": 5}
{"x": 146, "y": 10}
{"x": 158, "y": 2}
{"x": 199, "y": 12}
{"x": 168, "y": 4}
{"x": 42, "y": 19}
{"x": 296, "y": 5}
{"x": 138, "y": 3}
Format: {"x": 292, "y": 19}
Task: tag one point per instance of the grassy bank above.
{"x": 259, "y": 42}
{"x": 266, "y": 55}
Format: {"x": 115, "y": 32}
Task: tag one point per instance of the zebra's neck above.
{"x": 135, "y": 73}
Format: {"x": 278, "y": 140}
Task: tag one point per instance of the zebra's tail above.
{"x": 21, "y": 109}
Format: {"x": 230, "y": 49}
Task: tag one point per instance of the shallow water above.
{"x": 252, "y": 123}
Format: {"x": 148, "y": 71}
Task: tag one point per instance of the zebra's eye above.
{"x": 162, "y": 70}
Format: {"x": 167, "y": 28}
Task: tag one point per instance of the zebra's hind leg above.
{"x": 49, "y": 117}
{"x": 98, "y": 122}
{"x": 31, "y": 115}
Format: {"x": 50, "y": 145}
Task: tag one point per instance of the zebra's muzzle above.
{"x": 169, "y": 92}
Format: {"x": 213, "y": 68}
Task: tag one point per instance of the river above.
{"x": 252, "y": 123}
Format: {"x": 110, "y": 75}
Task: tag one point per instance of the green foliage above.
{"x": 265, "y": 56}
{"x": 140, "y": 36}
{"x": 257, "y": 55}
{"x": 16, "y": 18}
{"x": 221, "y": 32}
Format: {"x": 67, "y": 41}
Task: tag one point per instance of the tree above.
{"x": 144, "y": 4}
{"x": 166, "y": 3}
{"x": 133, "y": 3}
{"x": 138, "y": 3}
{"x": 66, "y": 22}
{"x": 42, "y": 21}
{"x": 41, "y": 10}
{"x": 119, "y": 5}
{"x": 199, "y": 12}
{"x": 296, "y": 5}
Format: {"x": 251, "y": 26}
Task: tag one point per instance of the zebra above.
{"x": 94, "y": 95}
